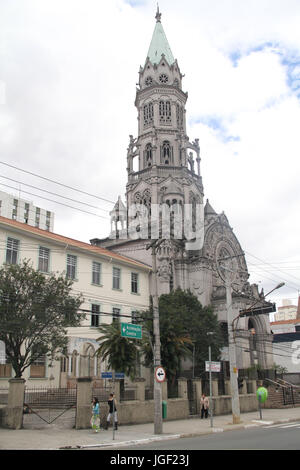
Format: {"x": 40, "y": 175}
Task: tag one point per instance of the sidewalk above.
{"x": 53, "y": 438}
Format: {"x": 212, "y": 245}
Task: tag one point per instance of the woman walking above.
{"x": 112, "y": 412}
{"x": 95, "y": 420}
{"x": 204, "y": 402}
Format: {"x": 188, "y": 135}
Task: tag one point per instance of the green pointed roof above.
{"x": 159, "y": 44}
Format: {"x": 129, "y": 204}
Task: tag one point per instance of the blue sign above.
{"x": 109, "y": 375}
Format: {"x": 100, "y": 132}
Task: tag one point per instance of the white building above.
{"x": 112, "y": 286}
{"x": 286, "y": 344}
{"x": 287, "y": 311}
{"x": 24, "y": 211}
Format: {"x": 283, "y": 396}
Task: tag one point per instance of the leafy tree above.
{"x": 121, "y": 353}
{"x": 184, "y": 327}
{"x": 35, "y": 311}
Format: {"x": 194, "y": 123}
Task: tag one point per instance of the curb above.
{"x": 254, "y": 424}
{"x": 124, "y": 443}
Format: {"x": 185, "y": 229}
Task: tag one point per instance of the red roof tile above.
{"x": 282, "y": 322}
{"x": 71, "y": 242}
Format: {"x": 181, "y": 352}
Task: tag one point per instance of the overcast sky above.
{"x": 68, "y": 74}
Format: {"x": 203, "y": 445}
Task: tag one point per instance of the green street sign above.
{"x": 129, "y": 330}
{"x": 262, "y": 394}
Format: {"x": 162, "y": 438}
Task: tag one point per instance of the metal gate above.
{"x": 191, "y": 392}
{"x": 291, "y": 395}
{"x": 47, "y": 406}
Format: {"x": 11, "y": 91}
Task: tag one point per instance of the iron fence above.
{"x": 43, "y": 397}
{"x": 149, "y": 394}
{"x": 291, "y": 396}
{"x": 3, "y": 396}
{"x": 102, "y": 393}
{"x": 173, "y": 389}
{"x": 128, "y": 393}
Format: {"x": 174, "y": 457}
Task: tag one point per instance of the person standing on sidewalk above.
{"x": 204, "y": 403}
{"x": 112, "y": 412}
{"x": 95, "y": 420}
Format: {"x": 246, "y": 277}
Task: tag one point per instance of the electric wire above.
{"x": 277, "y": 269}
{"x": 56, "y": 182}
{"x": 52, "y": 193}
{"x": 58, "y": 202}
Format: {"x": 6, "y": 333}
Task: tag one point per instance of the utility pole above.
{"x": 232, "y": 354}
{"x": 157, "y": 358}
{"x": 210, "y": 388}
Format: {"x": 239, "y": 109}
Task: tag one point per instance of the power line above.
{"x": 57, "y": 202}
{"x": 277, "y": 269}
{"x": 56, "y": 182}
{"x": 266, "y": 352}
{"x": 53, "y": 194}
{"x": 271, "y": 279}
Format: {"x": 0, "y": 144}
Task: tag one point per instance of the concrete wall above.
{"x": 11, "y": 416}
{"x": 136, "y": 412}
{"x": 129, "y": 412}
{"x": 222, "y": 405}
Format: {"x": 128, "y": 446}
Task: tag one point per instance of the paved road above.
{"x": 276, "y": 437}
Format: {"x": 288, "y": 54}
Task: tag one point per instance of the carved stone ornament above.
{"x": 164, "y": 270}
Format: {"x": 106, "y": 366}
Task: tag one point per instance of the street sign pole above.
{"x": 113, "y": 417}
{"x": 259, "y": 401}
{"x": 210, "y": 389}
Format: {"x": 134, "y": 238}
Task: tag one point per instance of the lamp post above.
{"x": 232, "y": 350}
{"x": 281, "y": 284}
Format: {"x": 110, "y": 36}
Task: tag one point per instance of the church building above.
{"x": 164, "y": 169}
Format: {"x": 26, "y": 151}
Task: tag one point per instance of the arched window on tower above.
{"x": 146, "y": 200}
{"x": 148, "y": 156}
{"x": 166, "y": 153}
{"x": 148, "y": 114}
{"x": 193, "y": 203}
{"x": 179, "y": 116}
{"x": 165, "y": 112}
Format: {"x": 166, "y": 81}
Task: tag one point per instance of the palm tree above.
{"x": 121, "y": 353}
{"x": 175, "y": 342}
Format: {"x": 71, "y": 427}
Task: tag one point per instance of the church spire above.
{"x": 159, "y": 44}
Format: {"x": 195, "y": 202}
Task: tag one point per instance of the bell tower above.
{"x": 162, "y": 164}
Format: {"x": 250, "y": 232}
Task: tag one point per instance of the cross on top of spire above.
{"x": 158, "y": 15}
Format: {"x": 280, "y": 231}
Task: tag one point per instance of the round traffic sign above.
{"x": 160, "y": 374}
{"x": 262, "y": 394}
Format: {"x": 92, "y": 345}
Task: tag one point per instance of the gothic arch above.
{"x": 148, "y": 113}
{"x": 166, "y": 153}
{"x": 148, "y": 155}
{"x": 257, "y": 330}
{"x": 87, "y": 360}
